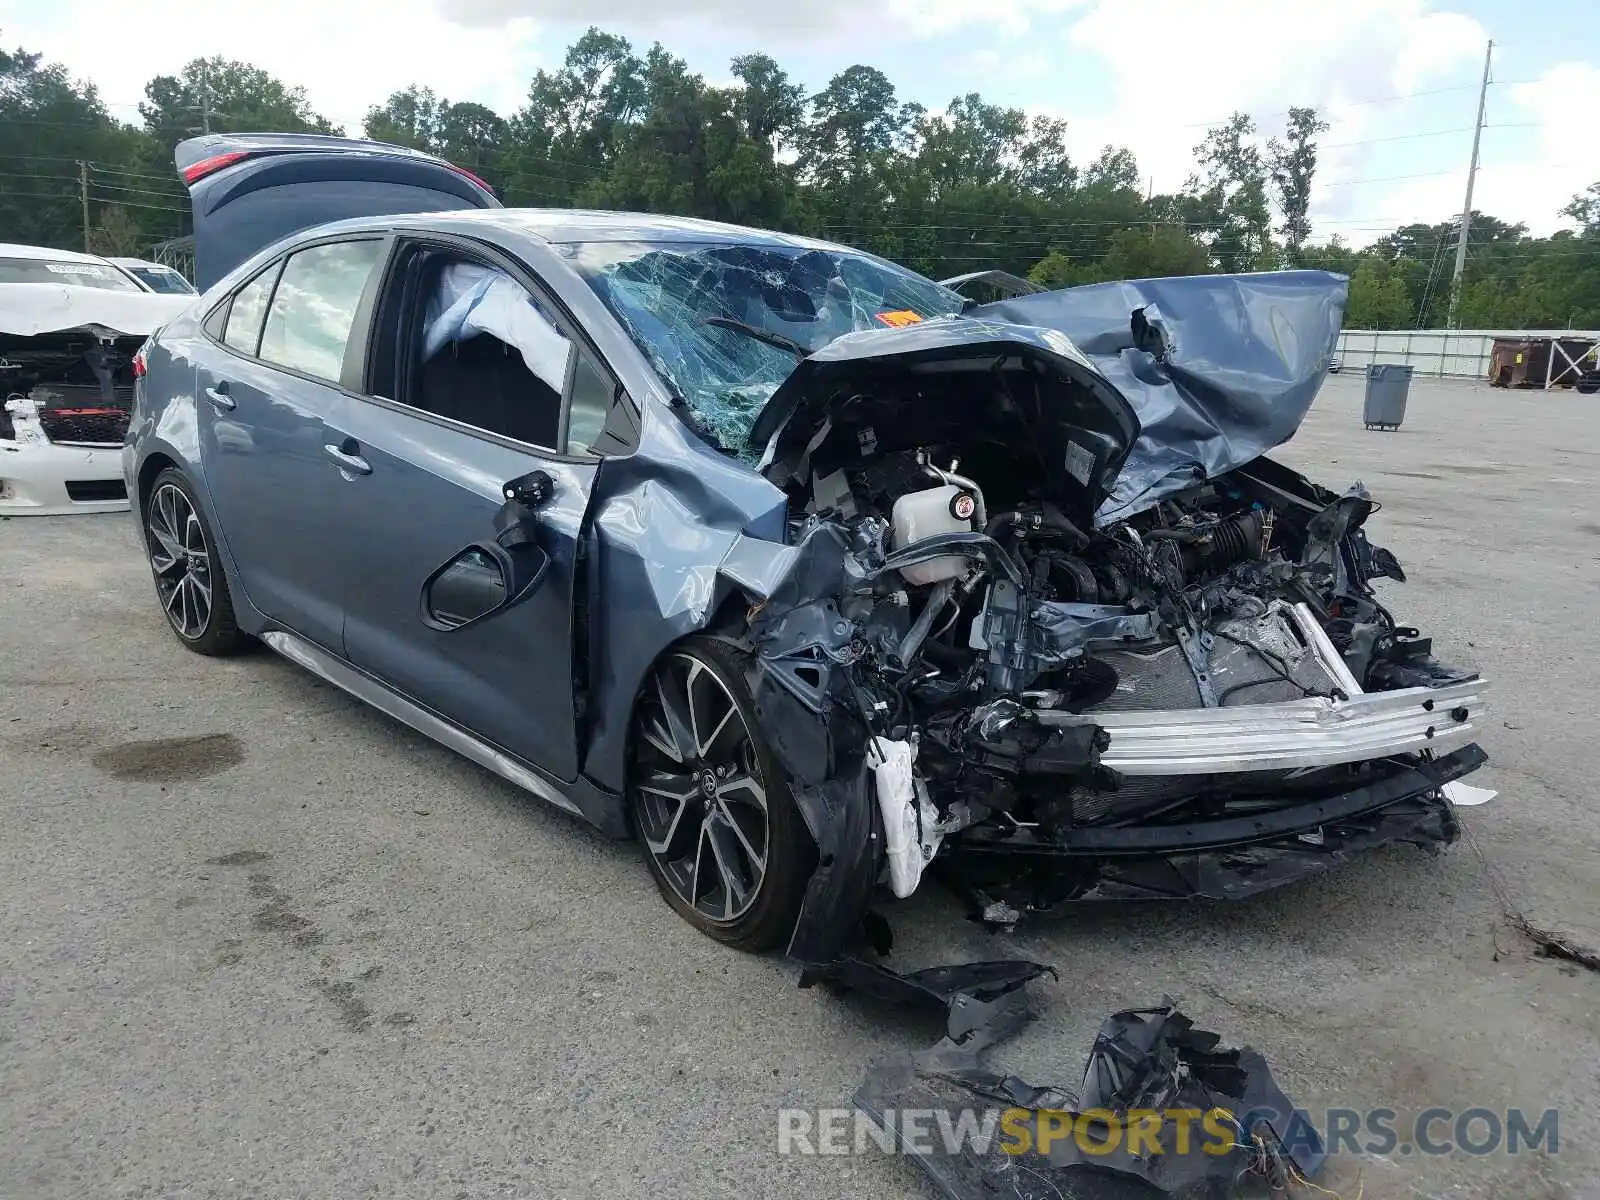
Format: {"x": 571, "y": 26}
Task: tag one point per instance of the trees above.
{"x": 225, "y": 96}
{"x": 1292, "y": 164}
{"x": 971, "y": 186}
{"x": 1227, "y": 200}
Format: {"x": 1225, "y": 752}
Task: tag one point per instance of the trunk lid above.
{"x": 250, "y": 189}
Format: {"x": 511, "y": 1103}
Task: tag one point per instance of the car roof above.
{"x": 47, "y": 254}
{"x": 138, "y": 262}
{"x": 562, "y": 225}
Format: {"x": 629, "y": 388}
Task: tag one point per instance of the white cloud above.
{"x": 1150, "y": 76}
{"x": 348, "y": 54}
{"x": 1194, "y": 63}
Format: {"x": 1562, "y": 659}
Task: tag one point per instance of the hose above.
{"x": 918, "y": 633}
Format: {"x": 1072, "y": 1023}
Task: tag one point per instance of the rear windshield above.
{"x": 163, "y": 279}
{"x": 78, "y": 274}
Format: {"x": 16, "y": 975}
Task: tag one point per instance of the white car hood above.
{"x": 29, "y": 309}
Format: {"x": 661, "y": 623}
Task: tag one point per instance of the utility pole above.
{"x": 1466, "y": 208}
{"x": 83, "y": 194}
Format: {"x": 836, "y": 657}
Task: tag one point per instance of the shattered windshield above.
{"x": 683, "y": 305}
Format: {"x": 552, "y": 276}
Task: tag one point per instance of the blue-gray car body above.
{"x": 334, "y": 507}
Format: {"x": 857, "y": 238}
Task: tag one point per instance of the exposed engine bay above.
{"x": 66, "y": 391}
{"x": 1021, "y": 678}
{"x": 76, "y": 384}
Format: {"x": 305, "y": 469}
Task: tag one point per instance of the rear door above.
{"x": 248, "y": 190}
{"x": 267, "y": 375}
{"x": 476, "y": 380}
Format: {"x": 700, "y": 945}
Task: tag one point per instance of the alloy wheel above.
{"x": 180, "y": 559}
{"x": 700, "y": 801}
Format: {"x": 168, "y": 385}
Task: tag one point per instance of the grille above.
{"x": 83, "y": 413}
{"x": 100, "y": 426}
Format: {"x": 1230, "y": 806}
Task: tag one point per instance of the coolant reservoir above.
{"x": 919, "y": 515}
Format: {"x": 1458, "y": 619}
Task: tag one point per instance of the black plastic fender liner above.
{"x": 842, "y": 815}
{"x": 1144, "y": 1061}
{"x": 970, "y": 995}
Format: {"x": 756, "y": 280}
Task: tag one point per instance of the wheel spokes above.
{"x": 180, "y": 560}
{"x": 669, "y": 797}
{"x": 700, "y": 802}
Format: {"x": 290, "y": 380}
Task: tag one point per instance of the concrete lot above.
{"x": 312, "y": 954}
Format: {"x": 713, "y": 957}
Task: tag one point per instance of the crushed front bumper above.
{"x": 1227, "y": 858}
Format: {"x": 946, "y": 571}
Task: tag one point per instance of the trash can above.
{"x": 1388, "y": 385}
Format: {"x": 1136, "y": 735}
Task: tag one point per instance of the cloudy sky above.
{"x": 1397, "y": 79}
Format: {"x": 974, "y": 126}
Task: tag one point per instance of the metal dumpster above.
{"x": 1388, "y": 385}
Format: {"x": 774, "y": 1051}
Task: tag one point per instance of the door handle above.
{"x": 347, "y": 455}
{"x": 220, "y": 399}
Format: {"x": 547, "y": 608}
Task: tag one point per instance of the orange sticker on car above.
{"x": 900, "y": 318}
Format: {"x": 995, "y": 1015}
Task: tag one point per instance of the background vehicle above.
{"x": 40, "y": 264}
{"x": 760, "y": 548}
{"x": 154, "y": 277}
{"x": 70, "y": 325}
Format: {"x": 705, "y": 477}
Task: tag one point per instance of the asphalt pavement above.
{"x": 259, "y": 940}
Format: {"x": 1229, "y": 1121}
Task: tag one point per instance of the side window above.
{"x": 485, "y": 353}
{"x": 593, "y": 394}
{"x": 243, "y": 331}
{"x": 314, "y": 307}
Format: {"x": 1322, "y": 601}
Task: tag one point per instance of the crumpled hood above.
{"x": 1102, "y": 424}
{"x": 29, "y": 309}
{"x": 1219, "y": 368}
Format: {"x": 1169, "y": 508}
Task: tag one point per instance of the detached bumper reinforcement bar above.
{"x": 1315, "y": 732}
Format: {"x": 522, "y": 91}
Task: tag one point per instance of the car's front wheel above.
{"x": 190, "y": 584}
{"x": 721, "y": 833}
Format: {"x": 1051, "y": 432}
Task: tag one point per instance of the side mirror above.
{"x": 480, "y": 581}
{"x": 487, "y": 577}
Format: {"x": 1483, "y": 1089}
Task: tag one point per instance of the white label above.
{"x": 1079, "y": 462}
{"x": 77, "y": 269}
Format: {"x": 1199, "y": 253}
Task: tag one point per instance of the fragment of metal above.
{"x": 1218, "y": 368}
{"x": 1312, "y": 732}
{"x": 1102, "y": 1144}
{"x": 970, "y": 995}
{"x": 342, "y": 675}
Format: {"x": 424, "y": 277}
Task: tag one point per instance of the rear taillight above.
{"x": 139, "y": 364}
{"x": 471, "y": 176}
{"x": 209, "y": 166}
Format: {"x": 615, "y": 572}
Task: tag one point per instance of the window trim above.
{"x": 489, "y": 255}
{"x": 363, "y": 313}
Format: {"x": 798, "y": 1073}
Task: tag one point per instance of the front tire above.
{"x": 190, "y": 583}
{"x": 720, "y": 830}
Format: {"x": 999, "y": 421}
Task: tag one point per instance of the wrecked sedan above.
{"x": 70, "y": 325}
{"x": 799, "y": 567}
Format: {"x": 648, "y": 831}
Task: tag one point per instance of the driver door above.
{"x": 473, "y": 384}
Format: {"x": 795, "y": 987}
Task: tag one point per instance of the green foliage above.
{"x": 974, "y": 186}
{"x": 226, "y": 97}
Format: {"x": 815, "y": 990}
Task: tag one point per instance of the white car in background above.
{"x": 154, "y": 276}
{"x": 71, "y": 326}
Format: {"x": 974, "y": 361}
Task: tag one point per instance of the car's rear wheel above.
{"x": 190, "y": 583}
{"x": 720, "y": 830}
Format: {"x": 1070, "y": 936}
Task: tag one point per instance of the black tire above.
{"x": 681, "y": 807}
{"x": 191, "y": 585}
